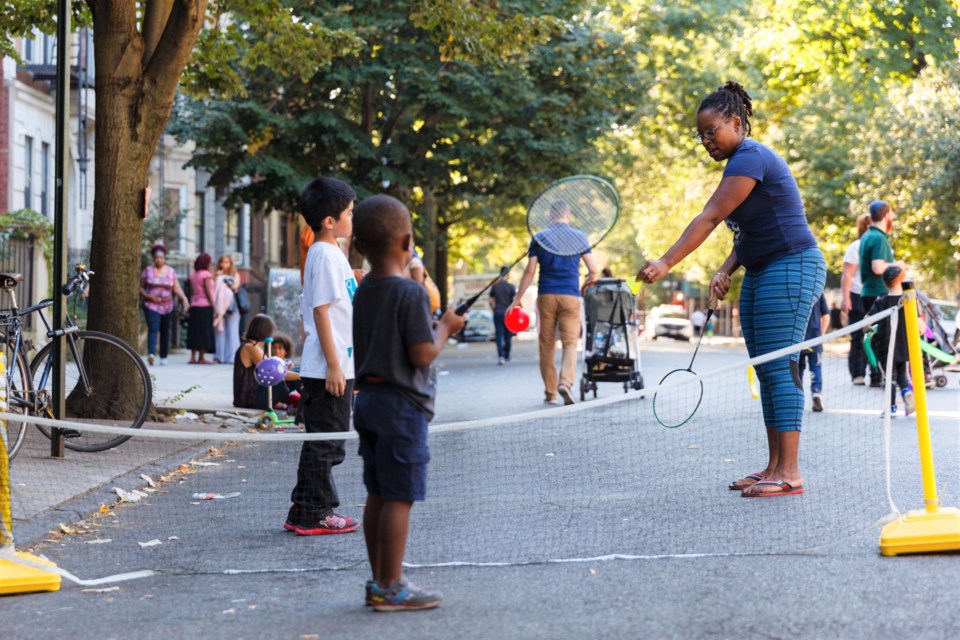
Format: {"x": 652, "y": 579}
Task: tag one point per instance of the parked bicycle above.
{"x": 107, "y": 383}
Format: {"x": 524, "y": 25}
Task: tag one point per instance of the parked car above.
{"x": 480, "y": 326}
{"x": 668, "y": 321}
{"x": 948, "y": 319}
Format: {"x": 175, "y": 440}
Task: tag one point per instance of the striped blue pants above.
{"x": 775, "y": 304}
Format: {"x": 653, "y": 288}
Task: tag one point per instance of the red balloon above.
{"x": 517, "y": 320}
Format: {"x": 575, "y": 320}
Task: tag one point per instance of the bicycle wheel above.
{"x": 107, "y": 383}
{"x": 19, "y": 400}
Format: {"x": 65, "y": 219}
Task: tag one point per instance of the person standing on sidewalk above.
{"x": 501, "y": 295}
{"x": 558, "y": 305}
{"x": 200, "y": 336}
{"x": 850, "y": 286}
{"x": 326, "y": 367}
{"x": 876, "y": 255}
{"x": 158, "y": 286}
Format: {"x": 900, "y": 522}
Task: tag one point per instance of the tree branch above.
{"x": 162, "y": 73}
{"x": 155, "y": 16}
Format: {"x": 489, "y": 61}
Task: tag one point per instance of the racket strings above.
{"x": 573, "y": 215}
{"x": 678, "y": 398}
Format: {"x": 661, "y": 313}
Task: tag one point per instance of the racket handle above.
{"x": 464, "y": 306}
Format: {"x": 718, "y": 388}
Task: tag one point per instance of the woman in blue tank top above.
{"x": 784, "y": 271}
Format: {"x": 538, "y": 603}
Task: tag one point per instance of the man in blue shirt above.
{"x": 816, "y": 327}
{"x": 558, "y": 297}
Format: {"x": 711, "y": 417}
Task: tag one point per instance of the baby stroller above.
{"x": 938, "y": 353}
{"x": 610, "y": 348}
{"x": 936, "y": 349}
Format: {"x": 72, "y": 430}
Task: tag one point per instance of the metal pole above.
{"x": 64, "y": 10}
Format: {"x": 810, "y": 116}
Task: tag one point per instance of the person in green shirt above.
{"x": 876, "y": 255}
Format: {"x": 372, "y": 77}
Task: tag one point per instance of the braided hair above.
{"x": 730, "y": 100}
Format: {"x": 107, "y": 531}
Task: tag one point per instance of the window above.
{"x": 199, "y": 222}
{"x": 45, "y": 179}
{"x": 171, "y": 216}
{"x": 231, "y": 232}
{"x": 27, "y": 172}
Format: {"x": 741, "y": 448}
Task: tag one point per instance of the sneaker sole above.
{"x": 289, "y": 526}
{"x": 324, "y": 532}
{"x": 817, "y": 405}
{"x": 387, "y": 608}
{"x": 567, "y": 396}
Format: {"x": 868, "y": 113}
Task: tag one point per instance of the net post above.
{"x": 933, "y": 528}
{"x": 930, "y": 498}
{"x": 19, "y": 572}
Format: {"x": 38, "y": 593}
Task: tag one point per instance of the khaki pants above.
{"x": 555, "y": 310}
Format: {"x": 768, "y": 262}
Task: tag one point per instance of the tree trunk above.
{"x": 441, "y": 273}
{"x": 135, "y": 94}
{"x": 429, "y": 241}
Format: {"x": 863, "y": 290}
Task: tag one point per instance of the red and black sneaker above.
{"x": 333, "y": 523}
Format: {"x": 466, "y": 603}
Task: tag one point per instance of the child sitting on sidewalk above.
{"x": 247, "y": 392}
{"x": 893, "y": 277}
{"x": 395, "y": 345}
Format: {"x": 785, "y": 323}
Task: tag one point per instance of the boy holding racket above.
{"x": 396, "y": 341}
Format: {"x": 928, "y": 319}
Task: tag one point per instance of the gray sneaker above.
{"x": 817, "y": 403}
{"x": 403, "y": 596}
{"x": 909, "y": 402}
{"x": 564, "y": 392}
{"x": 859, "y": 381}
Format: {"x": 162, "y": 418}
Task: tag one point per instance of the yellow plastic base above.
{"x": 20, "y": 578}
{"x": 922, "y": 531}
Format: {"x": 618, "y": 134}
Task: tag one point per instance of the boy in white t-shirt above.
{"x": 850, "y": 286}
{"x": 326, "y": 367}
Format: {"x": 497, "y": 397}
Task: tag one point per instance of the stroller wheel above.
{"x": 583, "y": 391}
{"x": 941, "y": 381}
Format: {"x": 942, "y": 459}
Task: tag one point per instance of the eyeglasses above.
{"x": 709, "y": 134}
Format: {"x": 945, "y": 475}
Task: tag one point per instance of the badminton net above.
{"x": 600, "y": 479}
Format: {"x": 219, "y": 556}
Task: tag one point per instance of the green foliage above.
{"x": 26, "y": 224}
{"x": 481, "y": 33}
{"x": 19, "y": 18}
{"x": 466, "y": 109}
{"x": 910, "y": 157}
{"x": 162, "y": 222}
{"x": 267, "y": 35}
{"x": 463, "y": 143}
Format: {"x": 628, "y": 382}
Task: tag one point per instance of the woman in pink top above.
{"x": 200, "y": 336}
{"x": 158, "y": 285}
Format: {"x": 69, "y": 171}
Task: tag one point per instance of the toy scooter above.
{"x": 269, "y": 419}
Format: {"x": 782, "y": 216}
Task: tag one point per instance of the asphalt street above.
{"x": 692, "y": 573}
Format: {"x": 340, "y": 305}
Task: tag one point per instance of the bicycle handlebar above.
{"x": 78, "y": 281}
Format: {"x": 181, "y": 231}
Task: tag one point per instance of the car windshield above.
{"x": 947, "y": 312}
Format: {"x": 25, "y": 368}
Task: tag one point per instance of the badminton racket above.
{"x": 680, "y": 392}
{"x": 568, "y": 218}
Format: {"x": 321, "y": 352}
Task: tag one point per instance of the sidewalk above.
{"x": 193, "y": 387}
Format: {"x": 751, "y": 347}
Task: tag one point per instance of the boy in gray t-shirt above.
{"x": 395, "y": 343}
